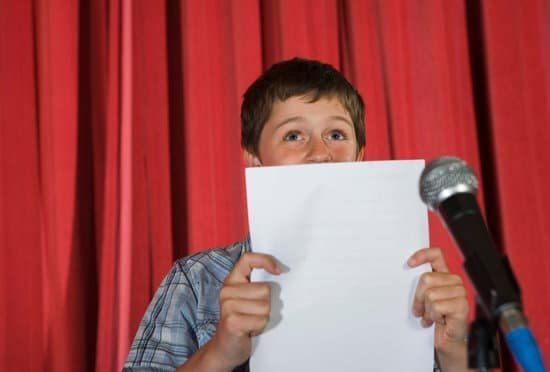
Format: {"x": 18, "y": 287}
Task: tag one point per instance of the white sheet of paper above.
{"x": 344, "y": 232}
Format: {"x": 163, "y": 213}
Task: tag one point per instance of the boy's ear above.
{"x": 251, "y": 160}
{"x": 360, "y": 154}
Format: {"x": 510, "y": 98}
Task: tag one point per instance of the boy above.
{"x": 206, "y": 310}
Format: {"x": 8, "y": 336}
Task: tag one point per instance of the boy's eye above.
{"x": 292, "y": 136}
{"x": 337, "y": 135}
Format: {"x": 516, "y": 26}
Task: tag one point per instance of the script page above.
{"x": 342, "y": 233}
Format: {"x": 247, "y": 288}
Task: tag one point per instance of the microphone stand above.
{"x": 483, "y": 352}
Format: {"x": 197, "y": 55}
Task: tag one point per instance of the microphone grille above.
{"x": 444, "y": 177}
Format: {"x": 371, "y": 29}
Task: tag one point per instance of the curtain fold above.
{"x": 120, "y": 142}
{"x": 21, "y": 228}
{"x": 105, "y": 51}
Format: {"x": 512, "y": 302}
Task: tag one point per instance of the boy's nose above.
{"x": 318, "y": 152}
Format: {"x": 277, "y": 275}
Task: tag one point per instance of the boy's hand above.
{"x": 441, "y": 298}
{"x": 244, "y": 308}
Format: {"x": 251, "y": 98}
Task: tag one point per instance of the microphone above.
{"x": 448, "y": 186}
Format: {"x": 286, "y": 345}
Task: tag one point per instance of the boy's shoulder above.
{"x": 213, "y": 263}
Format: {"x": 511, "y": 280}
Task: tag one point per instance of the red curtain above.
{"x": 119, "y": 141}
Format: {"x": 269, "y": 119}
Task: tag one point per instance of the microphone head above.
{"x": 445, "y": 177}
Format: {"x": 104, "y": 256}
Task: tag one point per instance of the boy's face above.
{"x": 299, "y": 132}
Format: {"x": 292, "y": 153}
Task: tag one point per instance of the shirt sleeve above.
{"x": 166, "y": 336}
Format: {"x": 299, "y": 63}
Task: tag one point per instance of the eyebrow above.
{"x": 301, "y": 118}
{"x": 341, "y": 118}
{"x": 288, "y": 120}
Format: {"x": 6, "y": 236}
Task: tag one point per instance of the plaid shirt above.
{"x": 184, "y": 313}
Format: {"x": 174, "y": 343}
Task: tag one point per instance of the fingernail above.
{"x": 416, "y": 313}
{"x": 425, "y": 323}
{"x": 411, "y": 261}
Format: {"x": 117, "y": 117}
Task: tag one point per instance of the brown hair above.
{"x": 297, "y": 77}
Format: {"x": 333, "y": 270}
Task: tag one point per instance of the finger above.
{"x": 456, "y": 308}
{"x": 437, "y": 294}
{"x": 246, "y": 307}
{"x": 429, "y": 281}
{"x": 245, "y": 324}
{"x": 452, "y": 312}
{"x": 247, "y": 291}
{"x": 433, "y": 256}
{"x": 426, "y": 323}
{"x": 249, "y": 261}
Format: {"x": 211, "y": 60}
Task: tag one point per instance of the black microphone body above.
{"x": 488, "y": 270}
